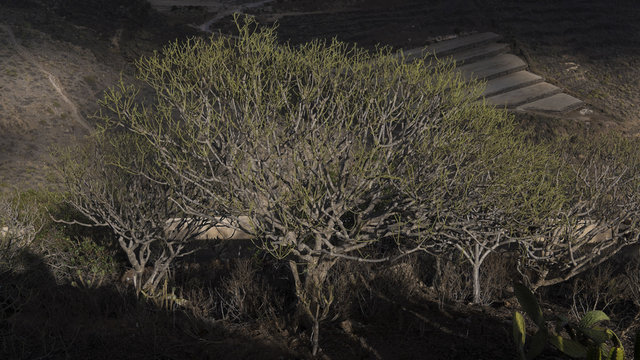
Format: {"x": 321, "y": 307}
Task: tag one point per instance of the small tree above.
{"x": 309, "y": 142}
{"x": 105, "y": 185}
{"x": 600, "y": 217}
{"x": 482, "y": 185}
{"x": 329, "y": 149}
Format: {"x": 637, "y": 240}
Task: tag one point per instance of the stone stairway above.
{"x": 508, "y": 83}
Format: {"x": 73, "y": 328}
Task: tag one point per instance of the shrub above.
{"x": 82, "y": 262}
{"x": 452, "y": 281}
{"x": 104, "y": 183}
{"x": 247, "y": 295}
{"x": 600, "y": 178}
{"x": 330, "y": 150}
{"x": 582, "y": 339}
{"x": 20, "y": 222}
{"x": 478, "y": 186}
{"x": 631, "y": 285}
{"x": 596, "y": 289}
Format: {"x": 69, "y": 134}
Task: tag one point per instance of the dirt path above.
{"x": 218, "y": 9}
{"x": 55, "y": 82}
{"x": 239, "y": 8}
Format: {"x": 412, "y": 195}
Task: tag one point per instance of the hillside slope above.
{"x": 55, "y": 63}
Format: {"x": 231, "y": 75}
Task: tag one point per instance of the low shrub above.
{"x": 20, "y": 223}
{"x": 452, "y": 280}
{"x": 584, "y": 338}
{"x": 80, "y": 261}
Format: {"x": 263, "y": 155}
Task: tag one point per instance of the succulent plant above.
{"x": 587, "y": 338}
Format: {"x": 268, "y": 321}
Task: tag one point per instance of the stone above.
{"x": 493, "y": 67}
{"x": 224, "y": 229}
{"x": 523, "y": 95}
{"x": 448, "y": 47}
{"x": 479, "y": 53}
{"x": 557, "y": 103}
{"x": 510, "y": 82}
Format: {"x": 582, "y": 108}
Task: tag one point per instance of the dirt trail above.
{"x": 222, "y": 14}
{"x": 55, "y": 82}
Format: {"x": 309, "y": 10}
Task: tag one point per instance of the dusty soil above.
{"x": 47, "y": 98}
{"x": 55, "y": 63}
{"x": 49, "y": 90}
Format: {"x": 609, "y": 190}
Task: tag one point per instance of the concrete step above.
{"x": 448, "y": 47}
{"x": 510, "y": 82}
{"x": 524, "y": 95}
{"x": 479, "y": 53}
{"x": 491, "y": 68}
{"x": 558, "y": 103}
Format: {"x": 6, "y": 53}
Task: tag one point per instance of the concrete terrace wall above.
{"x": 225, "y": 229}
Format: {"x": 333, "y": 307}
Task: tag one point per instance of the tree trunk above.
{"x": 476, "y": 274}
{"x": 137, "y": 280}
{"x": 158, "y": 274}
{"x": 311, "y": 298}
{"x": 315, "y": 336}
{"x": 476, "y": 283}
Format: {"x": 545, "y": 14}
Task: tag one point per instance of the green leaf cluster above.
{"x": 586, "y": 339}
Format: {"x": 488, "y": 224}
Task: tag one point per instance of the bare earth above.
{"x": 46, "y": 96}
{"x": 53, "y": 70}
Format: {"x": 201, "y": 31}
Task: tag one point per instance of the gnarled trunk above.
{"x": 313, "y": 303}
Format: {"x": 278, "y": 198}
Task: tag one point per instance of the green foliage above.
{"x": 591, "y": 318}
{"x": 90, "y": 257}
{"x": 519, "y": 332}
{"x": 165, "y": 299}
{"x": 81, "y": 261}
{"x": 530, "y": 304}
{"x": 330, "y": 149}
{"x": 586, "y": 338}
{"x": 20, "y": 223}
{"x": 616, "y": 353}
{"x": 50, "y": 204}
{"x": 612, "y": 154}
{"x": 107, "y": 182}
{"x": 600, "y": 179}
{"x": 568, "y": 346}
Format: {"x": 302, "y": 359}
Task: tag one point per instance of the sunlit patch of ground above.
{"x": 39, "y": 112}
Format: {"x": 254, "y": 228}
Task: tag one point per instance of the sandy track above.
{"x": 239, "y": 8}
{"x": 55, "y": 82}
{"x": 221, "y": 9}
